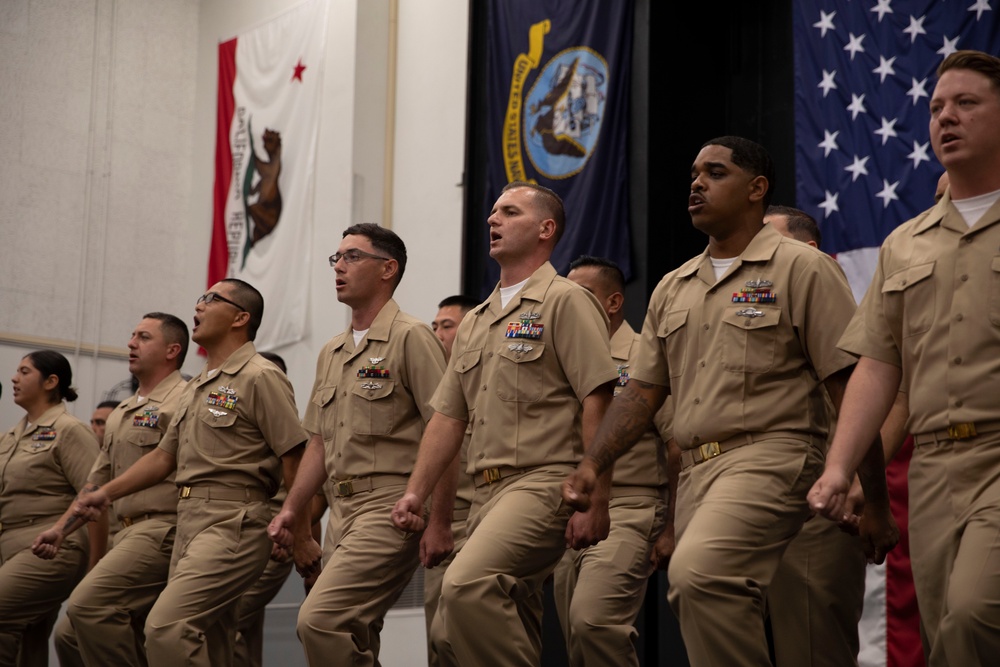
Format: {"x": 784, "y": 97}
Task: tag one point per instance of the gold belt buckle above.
{"x": 185, "y": 492}
{"x": 126, "y": 521}
{"x": 491, "y": 475}
{"x": 962, "y": 431}
{"x": 345, "y": 488}
{"x": 709, "y": 450}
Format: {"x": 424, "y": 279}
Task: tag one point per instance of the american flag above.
{"x": 864, "y": 74}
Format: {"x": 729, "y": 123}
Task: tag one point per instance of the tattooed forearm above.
{"x": 627, "y": 419}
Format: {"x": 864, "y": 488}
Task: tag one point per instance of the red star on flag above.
{"x": 299, "y": 69}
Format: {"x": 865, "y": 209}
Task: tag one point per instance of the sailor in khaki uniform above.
{"x": 366, "y": 414}
{"x": 109, "y": 606}
{"x": 600, "y": 590}
{"x": 816, "y": 597}
{"x": 741, "y": 336}
{"x": 930, "y": 325}
{"x": 451, "y": 310}
{"x": 236, "y": 431}
{"x": 44, "y": 462}
{"x": 531, "y": 373}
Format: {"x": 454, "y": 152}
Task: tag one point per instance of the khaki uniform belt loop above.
{"x": 493, "y": 475}
{"x": 709, "y": 450}
{"x": 956, "y": 432}
{"x": 245, "y": 494}
{"x": 348, "y": 487}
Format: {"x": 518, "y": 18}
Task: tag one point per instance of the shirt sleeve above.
{"x": 77, "y": 452}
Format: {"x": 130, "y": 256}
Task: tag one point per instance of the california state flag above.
{"x": 265, "y": 162}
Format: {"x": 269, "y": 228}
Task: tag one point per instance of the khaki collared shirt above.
{"x": 370, "y": 403}
{"x": 234, "y": 424}
{"x": 743, "y": 361}
{"x": 134, "y": 428}
{"x": 646, "y": 463}
{"x": 42, "y": 468}
{"x": 933, "y": 309}
{"x": 519, "y": 374}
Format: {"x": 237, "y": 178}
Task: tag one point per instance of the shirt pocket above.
{"x": 467, "y": 366}
{"x": 749, "y": 339}
{"x": 143, "y": 437}
{"x": 374, "y": 406}
{"x": 324, "y": 399}
{"x": 672, "y": 333}
{"x": 995, "y": 291}
{"x": 520, "y": 371}
{"x": 215, "y": 420}
{"x": 908, "y": 297}
{"x": 37, "y": 446}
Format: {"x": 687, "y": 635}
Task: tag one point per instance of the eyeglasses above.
{"x": 209, "y": 297}
{"x": 353, "y": 255}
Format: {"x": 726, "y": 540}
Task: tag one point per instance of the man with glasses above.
{"x": 235, "y": 433}
{"x": 368, "y": 408}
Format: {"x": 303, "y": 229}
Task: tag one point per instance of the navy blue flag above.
{"x": 864, "y": 74}
{"x": 557, "y": 114}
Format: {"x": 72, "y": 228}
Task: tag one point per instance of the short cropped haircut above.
{"x": 801, "y": 225}
{"x": 548, "y": 201}
{"x": 384, "y": 241}
{"x": 250, "y": 299}
{"x": 464, "y": 303}
{"x": 976, "y": 61}
{"x": 107, "y": 404}
{"x": 174, "y": 331}
{"x": 608, "y": 269}
{"x": 276, "y": 360}
{"x": 750, "y": 157}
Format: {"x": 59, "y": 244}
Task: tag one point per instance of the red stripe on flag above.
{"x": 903, "y": 645}
{"x": 218, "y": 256}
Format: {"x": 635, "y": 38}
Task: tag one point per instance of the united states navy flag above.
{"x": 557, "y": 114}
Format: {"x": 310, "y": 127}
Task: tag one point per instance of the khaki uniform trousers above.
{"x": 955, "y": 547}
{"x": 735, "y": 516}
{"x": 107, "y": 610}
{"x": 600, "y": 590}
{"x": 432, "y": 587}
{"x": 491, "y": 597}
{"x": 371, "y": 563}
{"x": 220, "y": 551}
{"x": 249, "y": 648}
{"x": 32, "y": 589}
{"x": 816, "y": 597}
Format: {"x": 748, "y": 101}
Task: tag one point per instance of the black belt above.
{"x": 246, "y": 494}
{"x": 349, "y": 487}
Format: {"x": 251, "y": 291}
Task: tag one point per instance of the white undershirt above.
{"x": 973, "y": 208}
{"x": 721, "y": 265}
{"x": 508, "y": 293}
{"x": 358, "y": 335}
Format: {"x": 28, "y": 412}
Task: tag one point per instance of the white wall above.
{"x": 108, "y": 139}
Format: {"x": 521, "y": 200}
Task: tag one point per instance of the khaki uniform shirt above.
{"x": 370, "y": 402}
{"x": 933, "y": 309}
{"x": 132, "y": 431}
{"x": 646, "y": 463}
{"x": 233, "y": 424}
{"x": 42, "y": 468}
{"x": 746, "y": 354}
{"x": 518, "y": 374}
